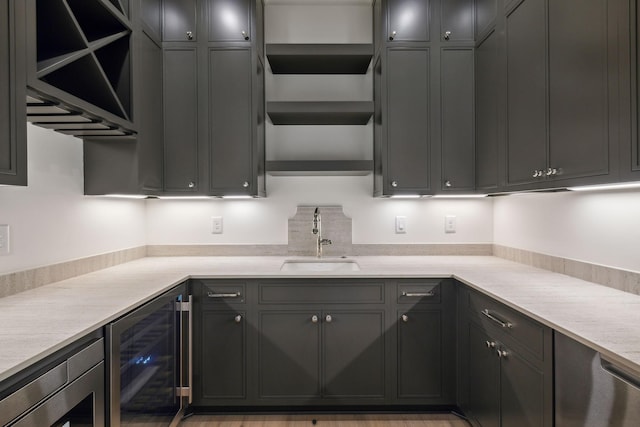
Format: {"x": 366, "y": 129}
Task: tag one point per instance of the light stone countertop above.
{"x": 36, "y": 323}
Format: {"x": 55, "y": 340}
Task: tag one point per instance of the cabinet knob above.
{"x": 448, "y": 184}
{"x": 189, "y": 35}
{"x": 490, "y": 344}
{"x": 392, "y": 35}
{"x": 405, "y": 318}
{"x": 552, "y": 171}
{"x": 538, "y": 173}
{"x": 328, "y": 318}
{"x": 447, "y": 35}
{"x": 394, "y": 184}
{"x": 245, "y": 184}
{"x": 502, "y": 353}
{"x": 314, "y": 319}
{"x": 245, "y": 35}
{"x": 238, "y": 318}
{"x": 192, "y": 184}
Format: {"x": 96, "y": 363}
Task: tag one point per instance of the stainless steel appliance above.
{"x": 592, "y": 391}
{"x": 68, "y": 394}
{"x": 148, "y": 382}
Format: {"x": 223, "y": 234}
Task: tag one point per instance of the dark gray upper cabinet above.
{"x": 423, "y": 98}
{"x": 456, "y": 22}
{"x": 457, "y": 112}
{"x": 408, "y": 20}
{"x": 151, "y": 16}
{"x": 485, "y": 16}
{"x": 232, "y": 121}
{"x": 561, "y": 85}
{"x": 139, "y": 158}
{"x": 180, "y": 21}
{"x": 486, "y": 112}
{"x": 580, "y": 87}
{"x": 180, "y": 120}
{"x": 526, "y": 92}
{"x": 13, "y": 138}
{"x": 630, "y": 81}
{"x": 407, "y": 159}
{"x": 229, "y": 20}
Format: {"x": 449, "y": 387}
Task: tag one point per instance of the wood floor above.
{"x": 326, "y": 420}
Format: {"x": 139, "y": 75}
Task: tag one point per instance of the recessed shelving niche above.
{"x": 79, "y": 57}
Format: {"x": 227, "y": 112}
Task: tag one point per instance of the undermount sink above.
{"x": 320, "y": 265}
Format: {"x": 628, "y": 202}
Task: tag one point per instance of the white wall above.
{"x": 601, "y": 228}
{"x": 264, "y": 221}
{"x": 51, "y": 221}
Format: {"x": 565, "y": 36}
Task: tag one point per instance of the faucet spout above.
{"x": 317, "y": 230}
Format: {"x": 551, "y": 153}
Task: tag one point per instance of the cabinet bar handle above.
{"x": 214, "y": 295}
{"x": 418, "y": 294}
{"x": 502, "y": 323}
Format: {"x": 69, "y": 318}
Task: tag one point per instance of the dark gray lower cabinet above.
{"x": 289, "y": 354}
{"x": 506, "y": 374}
{"x": 223, "y": 368}
{"x": 310, "y": 342}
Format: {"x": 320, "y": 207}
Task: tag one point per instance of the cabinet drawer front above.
{"x": 222, "y": 292}
{"x": 496, "y": 317}
{"x": 321, "y": 293}
{"x": 423, "y": 292}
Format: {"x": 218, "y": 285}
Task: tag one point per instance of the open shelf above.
{"x": 319, "y": 167}
{"x": 319, "y": 58}
{"x": 320, "y": 113}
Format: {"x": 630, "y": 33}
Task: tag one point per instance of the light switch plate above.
{"x": 4, "y": 239}
{"x": 216, "y": 225}
{"x": 450, "y": 224}
{"x": 401, "y": 225}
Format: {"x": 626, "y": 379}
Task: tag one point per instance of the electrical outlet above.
{"x": 450, "y": 224}
{"x": 4, "y": 239}
{"x": 216, "y": 225}
{"x": 401, "y": 225}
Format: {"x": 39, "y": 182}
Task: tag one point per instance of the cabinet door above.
{"x": 408, "y": 20}
{"x": 150, "y": 137}
{"x": 485, "y": 15}
{"x": 458, "y": 154}
{"x": 408, "y": 148}
{"x": 486, "y": 112}
{"x": 634, "y": 152}
{"x": 180, "y": 120}
{"x": 151, "y": 14}
{"x": 222, "y": 355}
{"x": 230, "y": 121}
{"x": 578, "y": 88}
{"x": 13, "y": 139}
{"x": 289, "y": 354}
{"x": 484, "y": 378}
{"x": 353, "y": 354}
{"x": 526, "y": 92}
{"x": 522, "y": 392}
{"x": 456, "y": 22}
{"x": 179, "y": 20}
{"x": 229, "y": 20}
{"x": 420, "y": 367}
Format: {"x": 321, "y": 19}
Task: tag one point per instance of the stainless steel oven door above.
{"x": 81, "y": 403}
{"x": 144, "y": 361}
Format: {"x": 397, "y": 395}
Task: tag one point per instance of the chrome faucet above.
{"x": 317, "y": 230}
